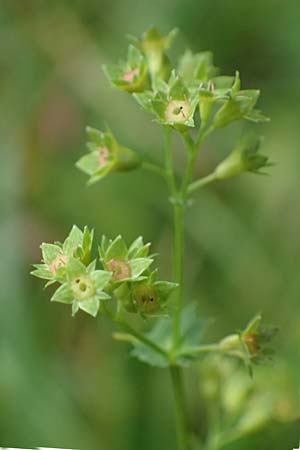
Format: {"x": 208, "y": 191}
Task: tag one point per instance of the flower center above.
{"x": 103, "y": 156}
{"x": 177, "y": 111}
{"x": 59, "y": 261}
{"x": 251, "y": 340}
{"x": 82, "y": 288}
{"x": 120, "y": 269}
{"x": 131, "y": 74}
{"x": 146, "y": 299}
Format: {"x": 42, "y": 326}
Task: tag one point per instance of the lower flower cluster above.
{"x": 124, "y": 276}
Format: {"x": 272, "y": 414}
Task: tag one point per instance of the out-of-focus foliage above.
{"x": 64, "y": 382}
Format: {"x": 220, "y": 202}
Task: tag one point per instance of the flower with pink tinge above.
{"x": 103, "y": 156}
{"x": 131, "y": 74}
{"x": 120, "y": 269}
{"x": 60, "y": 261}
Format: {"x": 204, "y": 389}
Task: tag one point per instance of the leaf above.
{"x": 191, "y": 327}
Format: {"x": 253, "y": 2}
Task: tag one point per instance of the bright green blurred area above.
{"x": 64, "y": 382}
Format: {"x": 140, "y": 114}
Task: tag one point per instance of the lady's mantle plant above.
{"x": 192, "y": 100}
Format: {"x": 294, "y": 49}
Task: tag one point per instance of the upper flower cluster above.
{"x": 124, "y": 275}
{"x": 173, "y": 95}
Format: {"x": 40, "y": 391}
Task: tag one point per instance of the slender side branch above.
{"x": 198, "y": 184}
{"x": 154, "y": 168}
{"x": 142, "y": 338}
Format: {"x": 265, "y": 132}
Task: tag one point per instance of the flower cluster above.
{"x": 124, "y": 275}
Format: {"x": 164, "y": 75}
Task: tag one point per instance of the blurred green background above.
{"x": 64, "y": 382}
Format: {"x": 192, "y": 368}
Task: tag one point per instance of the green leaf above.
{"x": 191, "y": 329}
{"x": 63, "y": 294}
{"x": 161, "y": 334}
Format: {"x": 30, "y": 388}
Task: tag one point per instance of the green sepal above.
{"x": 117, "y": 249}
{"x": 50, "y": 252}
{"x": 63, "y": 294}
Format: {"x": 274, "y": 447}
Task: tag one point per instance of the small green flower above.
{"x": 256, "y": 338}
{"x": 239, "y": 105}
{"x": 83, "y": 288}
{"x": 244, "y": 158}
{"x": 252, "y": 344}
{"x": 173, "y": 104}
{"x": 106, "y": 156}
{"x": 56, "y": 256}
{"x": 215, "y": 90}
{"x": 148, "y": 297}
{"x": 130, "y": 75}
{"x": 154, "y": 45}
{"x": 125, "y": 264}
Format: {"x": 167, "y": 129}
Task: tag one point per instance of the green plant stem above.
{"x": 198, "y": 184}
{"x": 210, "y": 348}
{"x": 142, "y": 338}
{"x": 169, "y": 167}
{"x": 154, "y": 168}
{"x": 180, "y": 410}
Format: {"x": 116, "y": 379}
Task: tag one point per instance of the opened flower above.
{"x": 173, "y": 104}
{"x": 105, "y": 156}
{"x": 130, "y": 75}
{"x": 56, "y": 256}
{"x": 83, "y": 288}
{"x": 154, "y": 45}
{"x": 125, "y": 264}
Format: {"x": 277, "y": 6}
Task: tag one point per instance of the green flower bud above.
{"x": 239, "y": 105}
{"x": 244, "y": 158}
{"x": 130, "y": 75}
{"x": 154, "y": 45}
{"x": 106, "y": 156}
